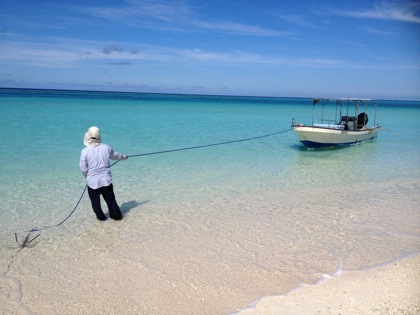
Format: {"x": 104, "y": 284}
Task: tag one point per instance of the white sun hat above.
{"x": 92, "y": 137}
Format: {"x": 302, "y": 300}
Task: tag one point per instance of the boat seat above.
{"x": 349, "y": 122}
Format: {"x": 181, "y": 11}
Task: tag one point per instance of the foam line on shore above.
{"x": 254, "y": 305}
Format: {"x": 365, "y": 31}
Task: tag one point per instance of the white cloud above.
{"x": 146, "y": 13}
{"x": 69, "y": 52}
{"x": 37, "y": 54}
{"x": 295, "y": 19}
{"x": 376, "y": 31}
{"x": 62, "y": 52}
{"x": 405, "y": 12}
{"x": 238, "y": 29}
{"x": 172, "y": 15}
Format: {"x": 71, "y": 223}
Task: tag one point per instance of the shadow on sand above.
{"x": 127, "y": 206}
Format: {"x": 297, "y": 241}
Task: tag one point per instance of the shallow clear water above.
{"x": 235, "y": 221}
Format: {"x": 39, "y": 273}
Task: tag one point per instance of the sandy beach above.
{"x": 391, "y": 289}
{"x": 118, "y": 288}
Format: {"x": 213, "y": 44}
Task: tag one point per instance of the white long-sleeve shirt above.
{"x": 94, "y": 164}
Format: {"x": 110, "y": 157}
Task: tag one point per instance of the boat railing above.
{"x": 328, "y": 123}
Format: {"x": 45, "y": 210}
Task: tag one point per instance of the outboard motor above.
{"x": 362, "y": 120}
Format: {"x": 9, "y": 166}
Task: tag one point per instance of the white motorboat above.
{"x": 344, "y": 125}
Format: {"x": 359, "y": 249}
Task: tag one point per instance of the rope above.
{"x": 27, "y": 241}
{"x": 77, "y": 204}
{"x": 210, "y": 145}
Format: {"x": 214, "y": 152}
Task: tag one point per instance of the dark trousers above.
{"x": 109, "y": 196}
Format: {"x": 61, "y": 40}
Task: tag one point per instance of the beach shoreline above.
{"x": 387, "y": 289}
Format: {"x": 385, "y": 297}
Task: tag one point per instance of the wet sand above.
{"x": 168, "y": 258}
{"x": 391, "y": 289}
{"x": 98, "y": 282}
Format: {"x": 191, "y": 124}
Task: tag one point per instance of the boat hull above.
{"x": 315, "y": 137}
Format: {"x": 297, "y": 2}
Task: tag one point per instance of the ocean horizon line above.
{"x": 116, "y": 92}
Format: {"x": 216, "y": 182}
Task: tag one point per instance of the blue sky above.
{"x": 303, "y": 48}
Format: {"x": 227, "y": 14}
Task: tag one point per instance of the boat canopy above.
{"x": 317, "y": 100}
{"x": 347, "y": 103}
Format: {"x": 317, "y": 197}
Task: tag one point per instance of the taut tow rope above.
{"x": 210, "y": 145}
{"x": 27, "y": 241}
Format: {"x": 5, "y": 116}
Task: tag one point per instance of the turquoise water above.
{"x": 259, "y": 216}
